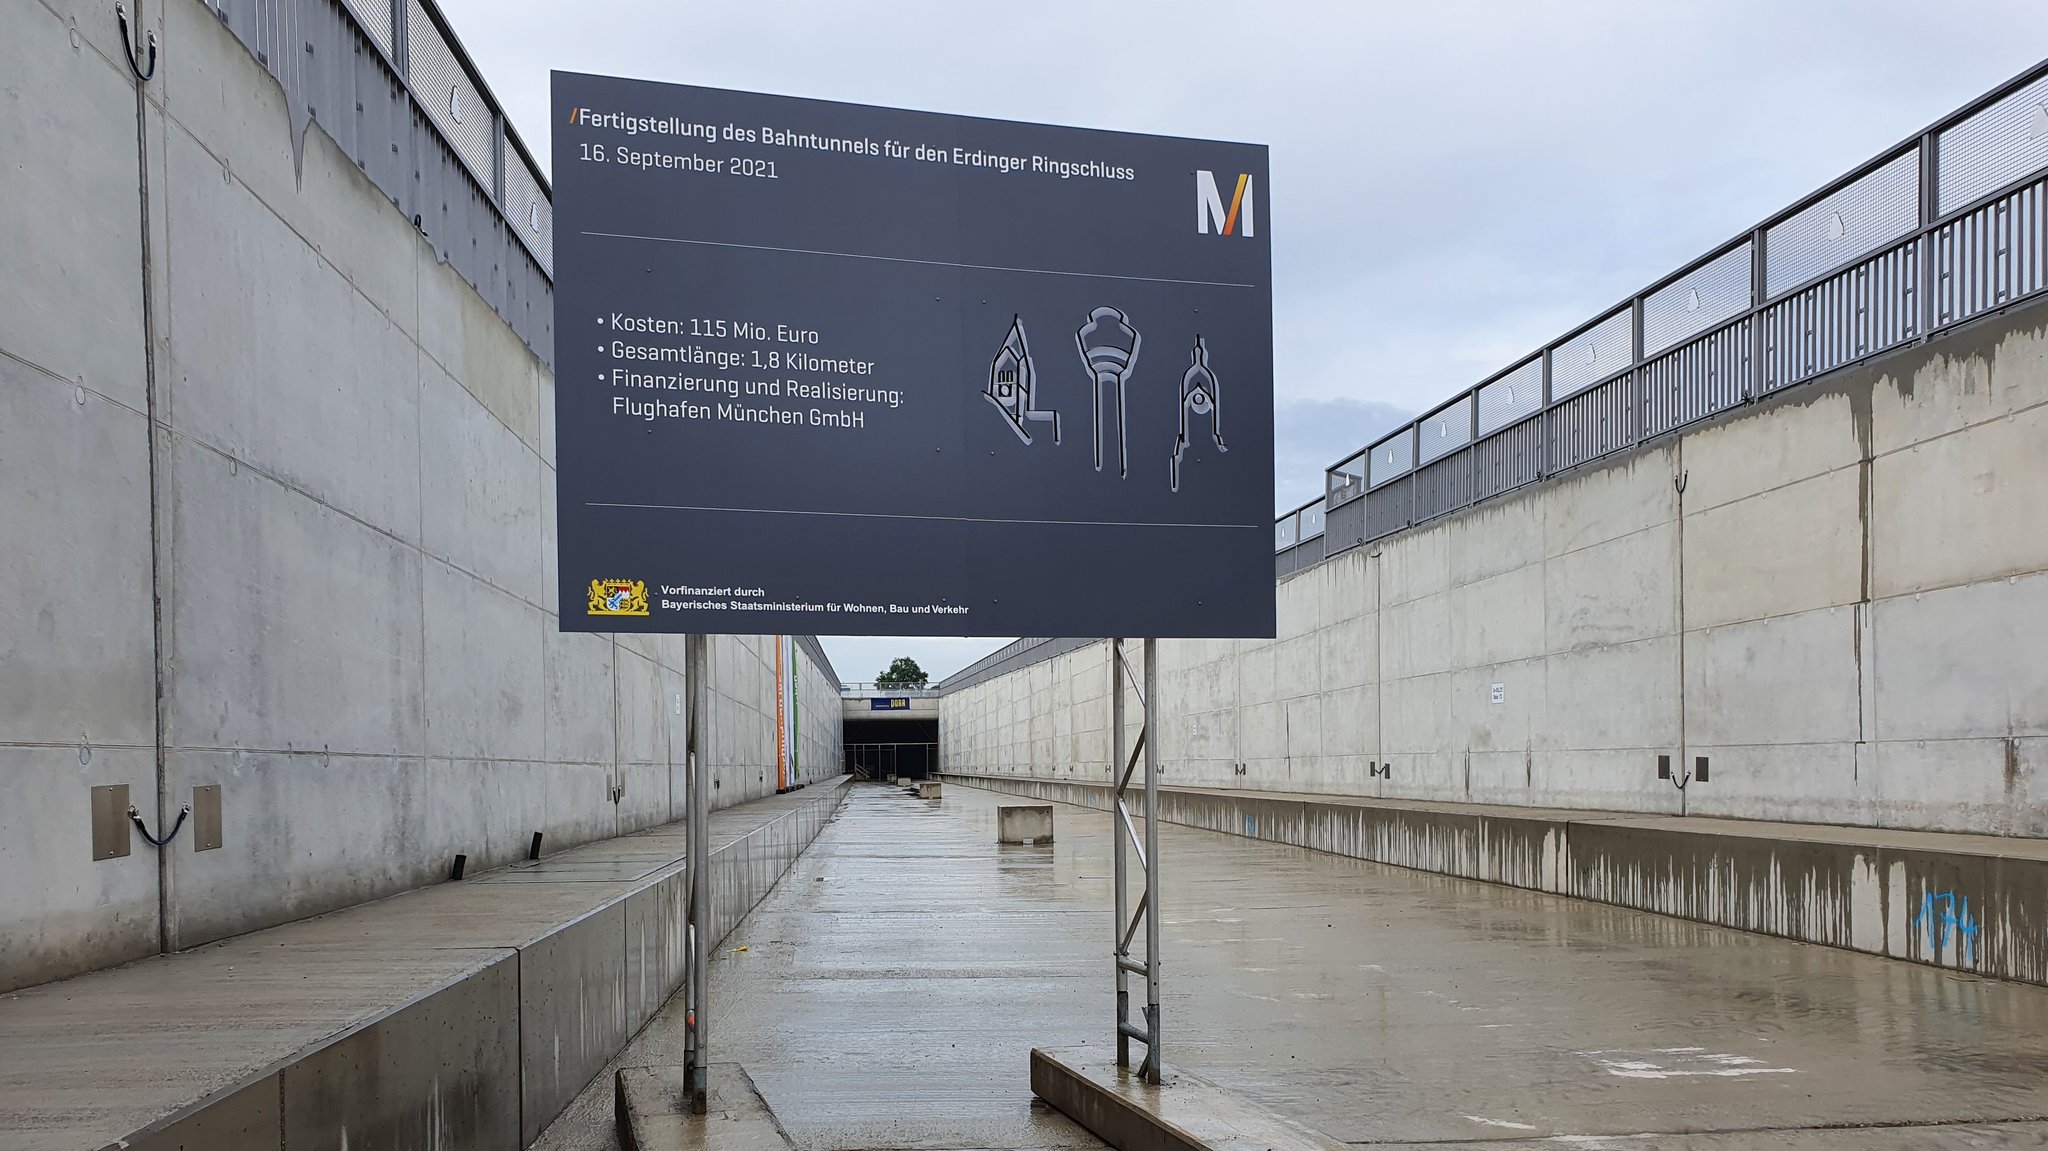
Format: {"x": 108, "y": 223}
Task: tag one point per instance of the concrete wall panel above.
{"x": 278, "y": 361}
{"x": 485, "y": 694}
{"x": 74, "y": 245}
{"x": 1787, "y": 680}
{"x": 1617, "y": 591}
{"x": 1964, "y": 661}
{"x": 480, "y": 490}
{"x": 1608, "y": 502}
{"x": 1945, "y": 510}
{"x": 1787, "y": 550}
{"x": 76, "y": 648}
{"x": 78, "y": 912}
{"x": 292, "y": 625}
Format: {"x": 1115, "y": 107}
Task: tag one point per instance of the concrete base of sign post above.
{"x": 654, "y": 1116}
{"x": 1024, "y": 823}
{"x": 1183, "y": 1113}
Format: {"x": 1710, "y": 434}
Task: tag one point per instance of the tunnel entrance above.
{"x": 885, "y": 748}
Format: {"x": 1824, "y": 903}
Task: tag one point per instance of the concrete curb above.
{"x": 1963, "y": 902}
{"x": 1187, "y": 1113}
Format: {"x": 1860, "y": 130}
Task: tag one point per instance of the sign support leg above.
{"x": 696, "y": 1047}
{"x": 1145, "y": 845}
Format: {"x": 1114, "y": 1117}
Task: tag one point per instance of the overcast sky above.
{"x": 1453, "y": 183}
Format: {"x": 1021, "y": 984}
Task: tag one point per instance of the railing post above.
{"x": 1759, "y": 293}
{"x": 1635, "y": 383}
{"x": 401, "y": 40}
{"x": 1544, "y": 428}
{"x": 498, "y": 167}
{"x": 1924, "y": 314}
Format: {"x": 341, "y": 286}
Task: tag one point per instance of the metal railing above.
{"x": 391, "y": 84}
{"x": 1945, "y": 227}
{"x": 864, "y": 690}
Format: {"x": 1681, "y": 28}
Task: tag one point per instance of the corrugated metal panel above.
{"x": 450, "y": 97}
{"x": 1344, "y": 527}
{"x": 1702, "y": 299}
{"x": 375, "y": 18}
{"x": 1444, "y": 431}
{"x": 1708, "y": 375}
{"x": 1992, "y": 256}
{"x": 1392, "y": 457}
{"x": 1844, "y": 225}
{"x": 531, "y": 214}
{"x": 1515, "y": 395}
{"x": 1011, "y": 657}
{"x": 1386, "y": 508}
{"x": 1591, "y": 424}
{"x": 1508, "y": 459}
{"x": 1845, "y": 317}
{"x": 2001, "y": 144}
{"x": 1592, "y": 355}
{"x": 332, "y": 73}
{"x": 1443, "y": 487}
{"x": 1300, "y": 558}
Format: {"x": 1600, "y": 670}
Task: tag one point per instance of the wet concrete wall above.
{"x": 1971, "y": 903}
{"x": 1834, "y": 598}
{"x": 279, "y": 515}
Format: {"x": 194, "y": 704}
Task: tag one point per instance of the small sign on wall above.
{"x": 1500, "y": 693}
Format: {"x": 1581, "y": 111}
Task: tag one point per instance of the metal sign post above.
{"x": 696, "y": 1046}
{"x": 1146, "y": 845}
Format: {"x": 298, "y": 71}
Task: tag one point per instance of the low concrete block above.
{"x": 244, "y": 1121}
{"x": 1185, "y": 1113}
{"x": 1024, "y": 823}
{"x": 653, "y": 1116}
{"x": 443, "y": 1071}
{"x": 928, "y": 789}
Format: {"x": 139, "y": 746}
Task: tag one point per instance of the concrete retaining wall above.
{"x": 300, "y": 547}
{"x": 1835, "y": 597}
{"x": 1972, "y": 903}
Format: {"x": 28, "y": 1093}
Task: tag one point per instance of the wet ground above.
{"x": 890, "y": 988}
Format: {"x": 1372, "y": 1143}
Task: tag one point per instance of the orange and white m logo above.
{"x": 1209, "y": 209}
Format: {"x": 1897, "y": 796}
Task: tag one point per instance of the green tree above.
{"x": 903, "y": 673}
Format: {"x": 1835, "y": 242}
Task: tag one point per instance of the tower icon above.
{"x": 1109, "y": 347}
{"x": 1013, "y": 385}
{"x": 1198, "y": 397}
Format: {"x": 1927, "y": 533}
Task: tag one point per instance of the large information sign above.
{"x": 833, "y": 369}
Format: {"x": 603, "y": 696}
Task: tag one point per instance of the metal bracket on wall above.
{"x": 1146, "y": 845}
{"x": 133, "y": 52}
{"x": 1698, "y": 774}
{"x": 206, "y": 829}
{"x": 110, "y": 821}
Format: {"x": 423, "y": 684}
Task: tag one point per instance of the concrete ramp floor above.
{"x": 893, "y": 987}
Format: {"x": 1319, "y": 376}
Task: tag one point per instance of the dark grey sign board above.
{"x": 832, "y": 369}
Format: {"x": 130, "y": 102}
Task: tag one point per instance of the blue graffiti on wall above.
{"x": 1942, "y": 913}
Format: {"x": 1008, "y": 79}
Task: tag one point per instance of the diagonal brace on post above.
{"x": 1145, "y": 845}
